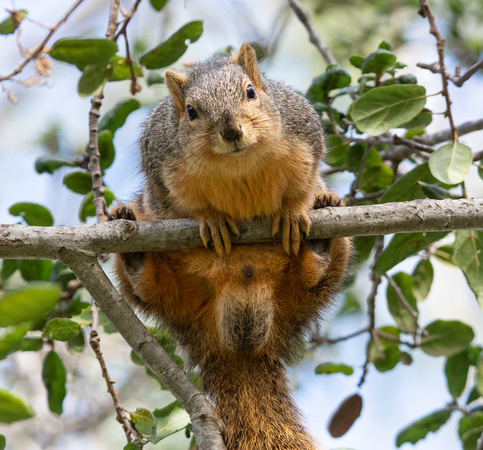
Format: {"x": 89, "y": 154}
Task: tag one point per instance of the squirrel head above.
{"x": 222, "y": 105}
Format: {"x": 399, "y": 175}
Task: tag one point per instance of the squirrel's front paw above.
{"x": 214, "y": 232}
{"x": 295, "y": 227}
{"x": 121, "y": 213}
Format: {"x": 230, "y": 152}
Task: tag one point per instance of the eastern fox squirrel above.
{"x": 229, "y": 145}
{"x": 218, "y": 152}
{"x": 239, "y": 318}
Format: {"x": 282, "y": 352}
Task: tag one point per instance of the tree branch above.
{"x": 425, "y": 11}
{"x": 202, "y": 414}
{"x": 121, "y": 236}
{"x": 457, "y": 80}
{"x": 446, "y": 135}
{"x": 314, "y": 35}
{"x": 36, "y": 52}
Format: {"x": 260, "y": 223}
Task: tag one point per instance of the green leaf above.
{"x": 408, "y": 187}
{"x": 444, "y": 254}
{"x": 376, "y": 178}
{"x": 422, "y": 279}
{"x": 378, "y": 61}
{"x": 436, "y": 192}
{"x": 473, "y": 396}
{"x": 61, "y": 329}
{"x": 446, "y": 338}
{"x": 29, "y": 303}
{"x": 158, "y": 4}
{"x": 386, "y": 107}
{"x": 173, "y": 48}
{"x": 385, "y": 45}
{"x": 170, "y": 420}
{"x": 77, "y": 343}
{"x": 3, "y": 442}
{"x": 398, "y": 310}
{"x": 403, "y": 245}
{"x": 408, "y": 79}
{"x": 456, "y": 371}
{"x": 143, "y": 421}
{"x": 385, "y": 355}
{"x": 470, "y": 429}
{"x": 36, "y": 269}
{"x": 9, "y": 25}
{"x": 130, "y": 446}
{"x": 50, "y": 164}
{"x": 9, "y": 266}
{"x": 78, "y": 182}
{"x": 154, "y": 78}
{"x": 354, "y": 157}
{"x": 87, "y": 208}
{"x": 12, "y": 408}
{"x": 31, "y": 344}
{"x": 116, "y": 117}
{"x": 330, "y": 368}
{"x": 335, "y": 77}
{"x": 479, "y": 374}
{"x": 420, "y": 429}
{"x": 93, "y": 79}
{"x": 106, "y": 149}
{"x": 363, "y": 246}
{"x": 421, "y": 121}
{"x": 468, "y": 256}
{"x": 11, "y": 339}
{"x": 356, "y": 61}
{"x": 54, "y": 378}
{"x": 33, "y": 213}
{"x": 338, "y": 150}
{"x": 451, "y": 163}
{"x": 121, "y": 69}
{"x": 83, "y": 51}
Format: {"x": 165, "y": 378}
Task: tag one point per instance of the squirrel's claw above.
{"x": 121, "y": 213}
{"x": 215, "y": 234}
{"x": 327, "y": 199}
{"x": 294, "y": 229}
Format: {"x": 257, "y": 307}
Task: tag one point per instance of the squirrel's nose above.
{"x": 232, "y": 134}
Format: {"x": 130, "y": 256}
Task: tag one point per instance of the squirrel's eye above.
{"x": 192, "y": 114}
{"x": 251, "y": 94}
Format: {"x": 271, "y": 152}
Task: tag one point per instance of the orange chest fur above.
{"x": 241, "y": 187}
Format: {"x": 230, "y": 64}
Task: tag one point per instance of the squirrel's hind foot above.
{"x": 121, "y": 213}
{"x": 327, "y": 199}
{"x": 214, "y": 232}
{"x": 133, "y": 262}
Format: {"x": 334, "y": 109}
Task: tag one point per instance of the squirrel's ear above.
{"x": 176, "y": 83}
{"x": 247, "y": 58}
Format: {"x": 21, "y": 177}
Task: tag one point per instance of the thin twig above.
{"x": 371, "y": 304}
{"x": 100, "y": 207}
{"x": 425, "y": 12}
{"x": 355, "y": 183}
{"x": 457, "y": 80}
{"x": 314, "y": 35}
{"x": 404, "y": 302}
{"x": 134, "y": 85}
{"x": 317, "y": 339}
{"x": 127, "y": 18}
{"x": 95, "y": 343}
{"x": 445, "y": 135}
{"x": 41, "y": 46}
